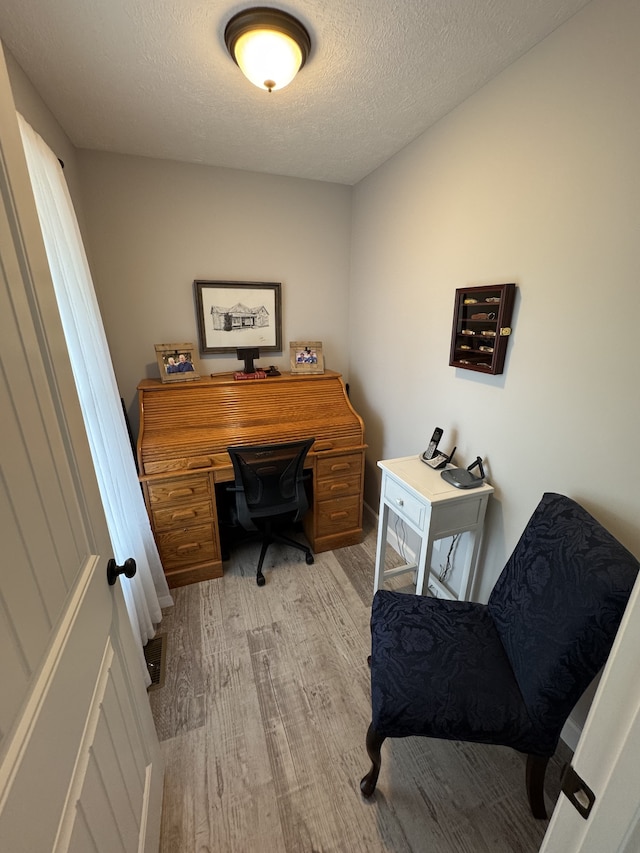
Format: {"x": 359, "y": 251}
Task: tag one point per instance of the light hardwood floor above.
{"x": 263, "y": 718}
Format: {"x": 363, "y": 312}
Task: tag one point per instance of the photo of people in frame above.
{"x": 306, "y": 357}
{"x": 175, "y": 362}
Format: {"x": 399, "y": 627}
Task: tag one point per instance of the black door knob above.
{"x": 113, "y": 570}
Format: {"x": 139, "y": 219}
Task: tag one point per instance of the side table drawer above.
{"x": 404, "y": 503}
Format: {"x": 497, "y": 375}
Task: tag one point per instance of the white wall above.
{"x": 155, "y": 226}
{"x": 534, "y": 180}
{"x": 151, "y": 227}
{"x": 31, "y": 106}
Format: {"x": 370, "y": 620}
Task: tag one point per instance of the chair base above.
{"x": 270, "y": 536}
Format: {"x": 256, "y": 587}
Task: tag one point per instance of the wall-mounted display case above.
{"x": 481, "y": 327}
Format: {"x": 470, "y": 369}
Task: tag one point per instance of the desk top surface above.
{"x": 427, "y": 483}
{"x": 219, "y": 380}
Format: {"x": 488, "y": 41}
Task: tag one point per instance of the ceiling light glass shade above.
{"x": 269, "y": 46}
{"x": 269, "y": 59}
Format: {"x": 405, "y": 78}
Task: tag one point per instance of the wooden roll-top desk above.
{"x": 185, "y": 429}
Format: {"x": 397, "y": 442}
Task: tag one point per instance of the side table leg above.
{"x": 424, "y": 563}
{"x": 381, "y": 547}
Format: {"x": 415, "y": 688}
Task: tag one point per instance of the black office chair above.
{"x": 508, "y": 672}
{"x": 270, "y": 492}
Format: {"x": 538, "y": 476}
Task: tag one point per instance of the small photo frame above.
{"x": 306, "y": 357}
{"x": 175, "y": 362}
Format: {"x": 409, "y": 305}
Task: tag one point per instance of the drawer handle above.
{"x": 341, "y": 466}
{"x": 323, "y": 445}
{"x": 339, "y": 487}
{"x": 181, "y": 493}
{"x": 180, "y": 514}
{"x": 399, "y": 501}
{"x": 336, "y": 515}
{"x": 202, "y": 462}
{"x": 190, "y": 546}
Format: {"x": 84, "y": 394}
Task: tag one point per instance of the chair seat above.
{"x": 467, "y": 692}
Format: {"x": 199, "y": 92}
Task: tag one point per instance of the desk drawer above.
{"x": 404, "y": 503}
{"x": 177, "y": 491}
{"x": 181, "y": 513}
{"x": 338, "y": 515}
{"x": 184, "y": 547}
{"x": 179, "y": 463}
{"x": 337, "y": 442}
{"x": 339, "y": 487}
{"x": 339, "y": 466}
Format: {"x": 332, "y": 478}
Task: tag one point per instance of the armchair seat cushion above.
{"x": 439, "y": 670}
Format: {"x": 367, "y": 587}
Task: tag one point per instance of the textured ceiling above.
{"x": 153, "y": 78}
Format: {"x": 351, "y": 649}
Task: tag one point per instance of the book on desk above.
{"x": 257, "y": 374}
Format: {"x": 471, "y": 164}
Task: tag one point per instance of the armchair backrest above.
{"x": 557, "y": 606}
{"x": 269, "y": 480}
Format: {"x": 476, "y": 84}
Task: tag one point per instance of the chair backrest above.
{"x": 557, "y": 606}
{"x": 269, "y": 480}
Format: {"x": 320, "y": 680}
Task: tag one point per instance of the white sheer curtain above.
{"x": 126, "y": 516}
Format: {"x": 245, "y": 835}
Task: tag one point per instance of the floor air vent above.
{"x": 154, "y": 654}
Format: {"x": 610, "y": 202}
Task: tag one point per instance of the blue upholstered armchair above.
{"x": 508, "y": 672}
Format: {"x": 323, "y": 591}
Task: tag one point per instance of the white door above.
{"x": 607, "y": 756}
{"x": 80, "y": 767}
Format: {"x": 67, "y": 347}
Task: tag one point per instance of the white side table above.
{"x": 435, "y": 510}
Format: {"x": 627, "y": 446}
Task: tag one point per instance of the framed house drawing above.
{"x": 237, "y": 314}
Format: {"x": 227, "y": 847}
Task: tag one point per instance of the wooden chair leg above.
{"x": 536, "y": 769}
{"x": 374, "y": 743}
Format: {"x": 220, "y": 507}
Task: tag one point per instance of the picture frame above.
{"x": 306, "y": 357}
{"x": 238, "y": 314}
{"x": 171, "y": 357}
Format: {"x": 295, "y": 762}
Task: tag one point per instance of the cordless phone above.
{"x": 430, "y": 452}
{"x": 433, "y": 457}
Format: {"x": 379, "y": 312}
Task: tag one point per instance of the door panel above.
{"x": 110, "y": 788}
{"x": 606, "y": 757}
{"x": 80, "y": 765}
{"x": 50, "y": 741}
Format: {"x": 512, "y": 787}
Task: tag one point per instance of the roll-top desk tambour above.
{"x": 185, "y": 429}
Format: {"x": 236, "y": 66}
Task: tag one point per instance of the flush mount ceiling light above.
{"x": 269, "y": 45}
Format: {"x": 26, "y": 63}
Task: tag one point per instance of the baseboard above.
{"x": 372, "y": 512}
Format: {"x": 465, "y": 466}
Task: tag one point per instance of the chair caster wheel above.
{"x": 309, "y": 559}
{"x": 260, "y": 579}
